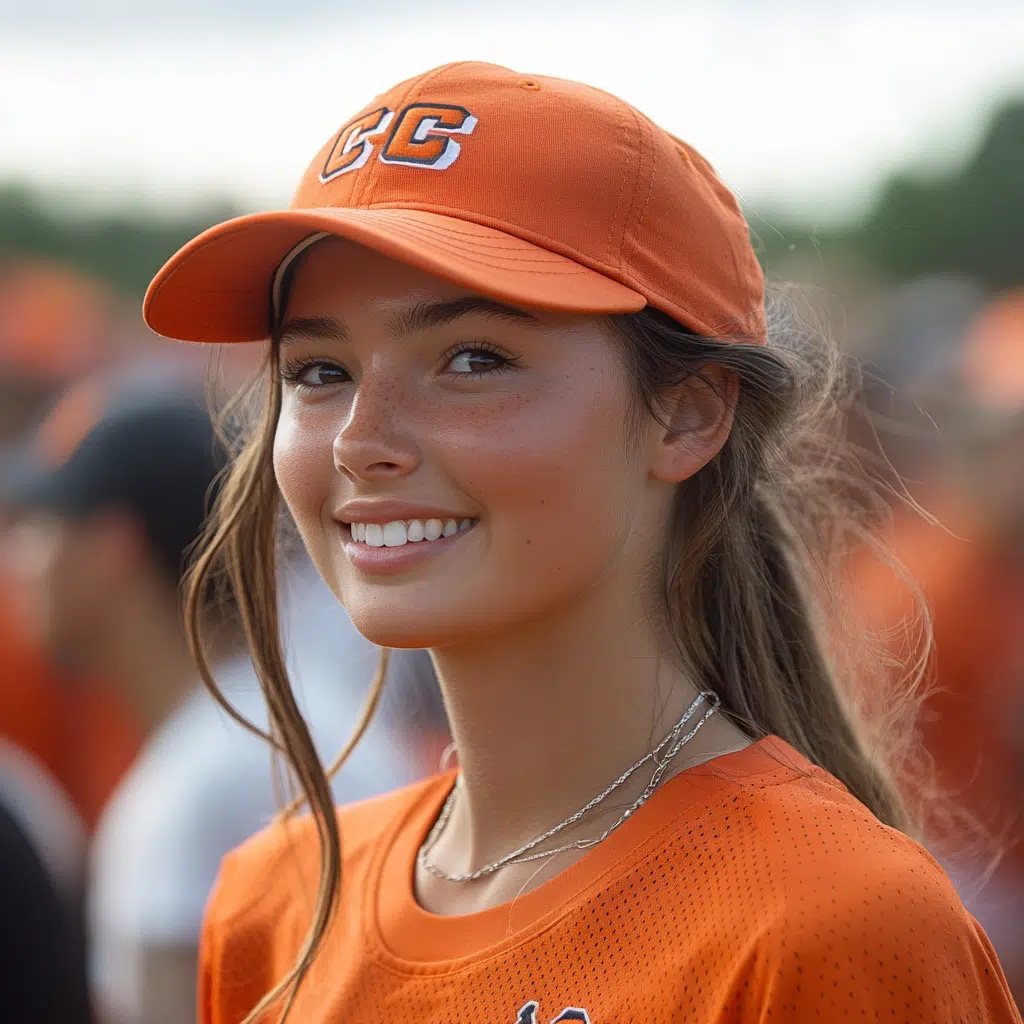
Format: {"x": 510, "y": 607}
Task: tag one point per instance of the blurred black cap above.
{"x": 151, "y": 452}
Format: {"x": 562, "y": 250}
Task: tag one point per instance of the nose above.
{"x": 374, "y": 442}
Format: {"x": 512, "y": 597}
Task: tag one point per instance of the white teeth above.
{"x": 394, "y": 534}
{"x": 398, "y": 532}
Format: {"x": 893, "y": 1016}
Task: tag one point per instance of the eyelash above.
{"x": 508, "y": 361}
{"x": 291, "y": 372}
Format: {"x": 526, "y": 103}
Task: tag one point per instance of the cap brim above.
{"x": 217, "y": 287}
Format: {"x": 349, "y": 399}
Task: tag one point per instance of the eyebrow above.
{"x": 313, "y": 328}
{"x": 425, "y": 315}
{"x": 419, "y": 317}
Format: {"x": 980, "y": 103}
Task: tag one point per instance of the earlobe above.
{"x": 696, "y": 422}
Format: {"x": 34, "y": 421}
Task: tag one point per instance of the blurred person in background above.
{"x": 99, "y": 542}
{"x": 56, "y": 325}
{"x": 970, "y": 569}
{"x": 42, "y": 967}
{"x": 62, "y": 748}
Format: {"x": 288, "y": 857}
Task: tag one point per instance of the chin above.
{"x": 415, "y": 626}
{"x": 428, "y": 608}
{"x": 463, "y": 602}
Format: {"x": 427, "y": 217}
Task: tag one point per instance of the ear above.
{"x": 696, "y": 420}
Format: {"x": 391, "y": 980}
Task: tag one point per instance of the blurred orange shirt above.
{"x": 29, "y": 696}
{"x": 80, "y": 733}
{"x": 973, "y": 724}
{"x": 750, "y": 888}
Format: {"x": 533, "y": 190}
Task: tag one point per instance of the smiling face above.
{"x": 412, "y": 408}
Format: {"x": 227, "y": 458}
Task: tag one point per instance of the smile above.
{"x": 400, "y": 532}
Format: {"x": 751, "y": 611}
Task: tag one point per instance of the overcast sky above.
{"x": 800, "y": 104}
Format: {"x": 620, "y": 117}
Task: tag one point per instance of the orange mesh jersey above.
{"x": 751, "y": 888}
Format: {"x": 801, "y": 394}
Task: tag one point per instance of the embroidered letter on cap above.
{"x": 422, "y": 136}
{"x": 352, "y": 147}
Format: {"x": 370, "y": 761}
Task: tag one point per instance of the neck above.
{"x": 548, "y": 716}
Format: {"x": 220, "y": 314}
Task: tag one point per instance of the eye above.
{"x": 477, "y": 360}
{"x": 314, "y": 374}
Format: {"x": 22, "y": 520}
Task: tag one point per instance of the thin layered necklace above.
{"x": 662, "y": 756}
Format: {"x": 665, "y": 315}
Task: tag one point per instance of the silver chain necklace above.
{"x": 673, "y": 741}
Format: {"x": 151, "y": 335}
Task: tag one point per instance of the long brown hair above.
{"x": 748, "y": 589}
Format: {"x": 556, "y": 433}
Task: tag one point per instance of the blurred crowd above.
{"x": 122, "y": 782}
{"x": 945, "y": 388}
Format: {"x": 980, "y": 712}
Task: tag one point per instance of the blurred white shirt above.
{"x": 203, "y": 784}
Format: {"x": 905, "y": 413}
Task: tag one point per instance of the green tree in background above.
{"x": 972, "y": 222}
{"x": 126, "y": 248}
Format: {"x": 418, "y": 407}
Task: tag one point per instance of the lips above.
{"x": 400, "y": 532}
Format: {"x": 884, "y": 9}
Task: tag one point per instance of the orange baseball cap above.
{"x": 536, "y": 191}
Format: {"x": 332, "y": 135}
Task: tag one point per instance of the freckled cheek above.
{"x": 543, "y": 469}
{"x": 304, "y": 462}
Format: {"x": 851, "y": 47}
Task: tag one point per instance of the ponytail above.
{"x": 752, "y": 593}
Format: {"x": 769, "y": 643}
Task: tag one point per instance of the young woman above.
{"x": 524, "y": 409}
